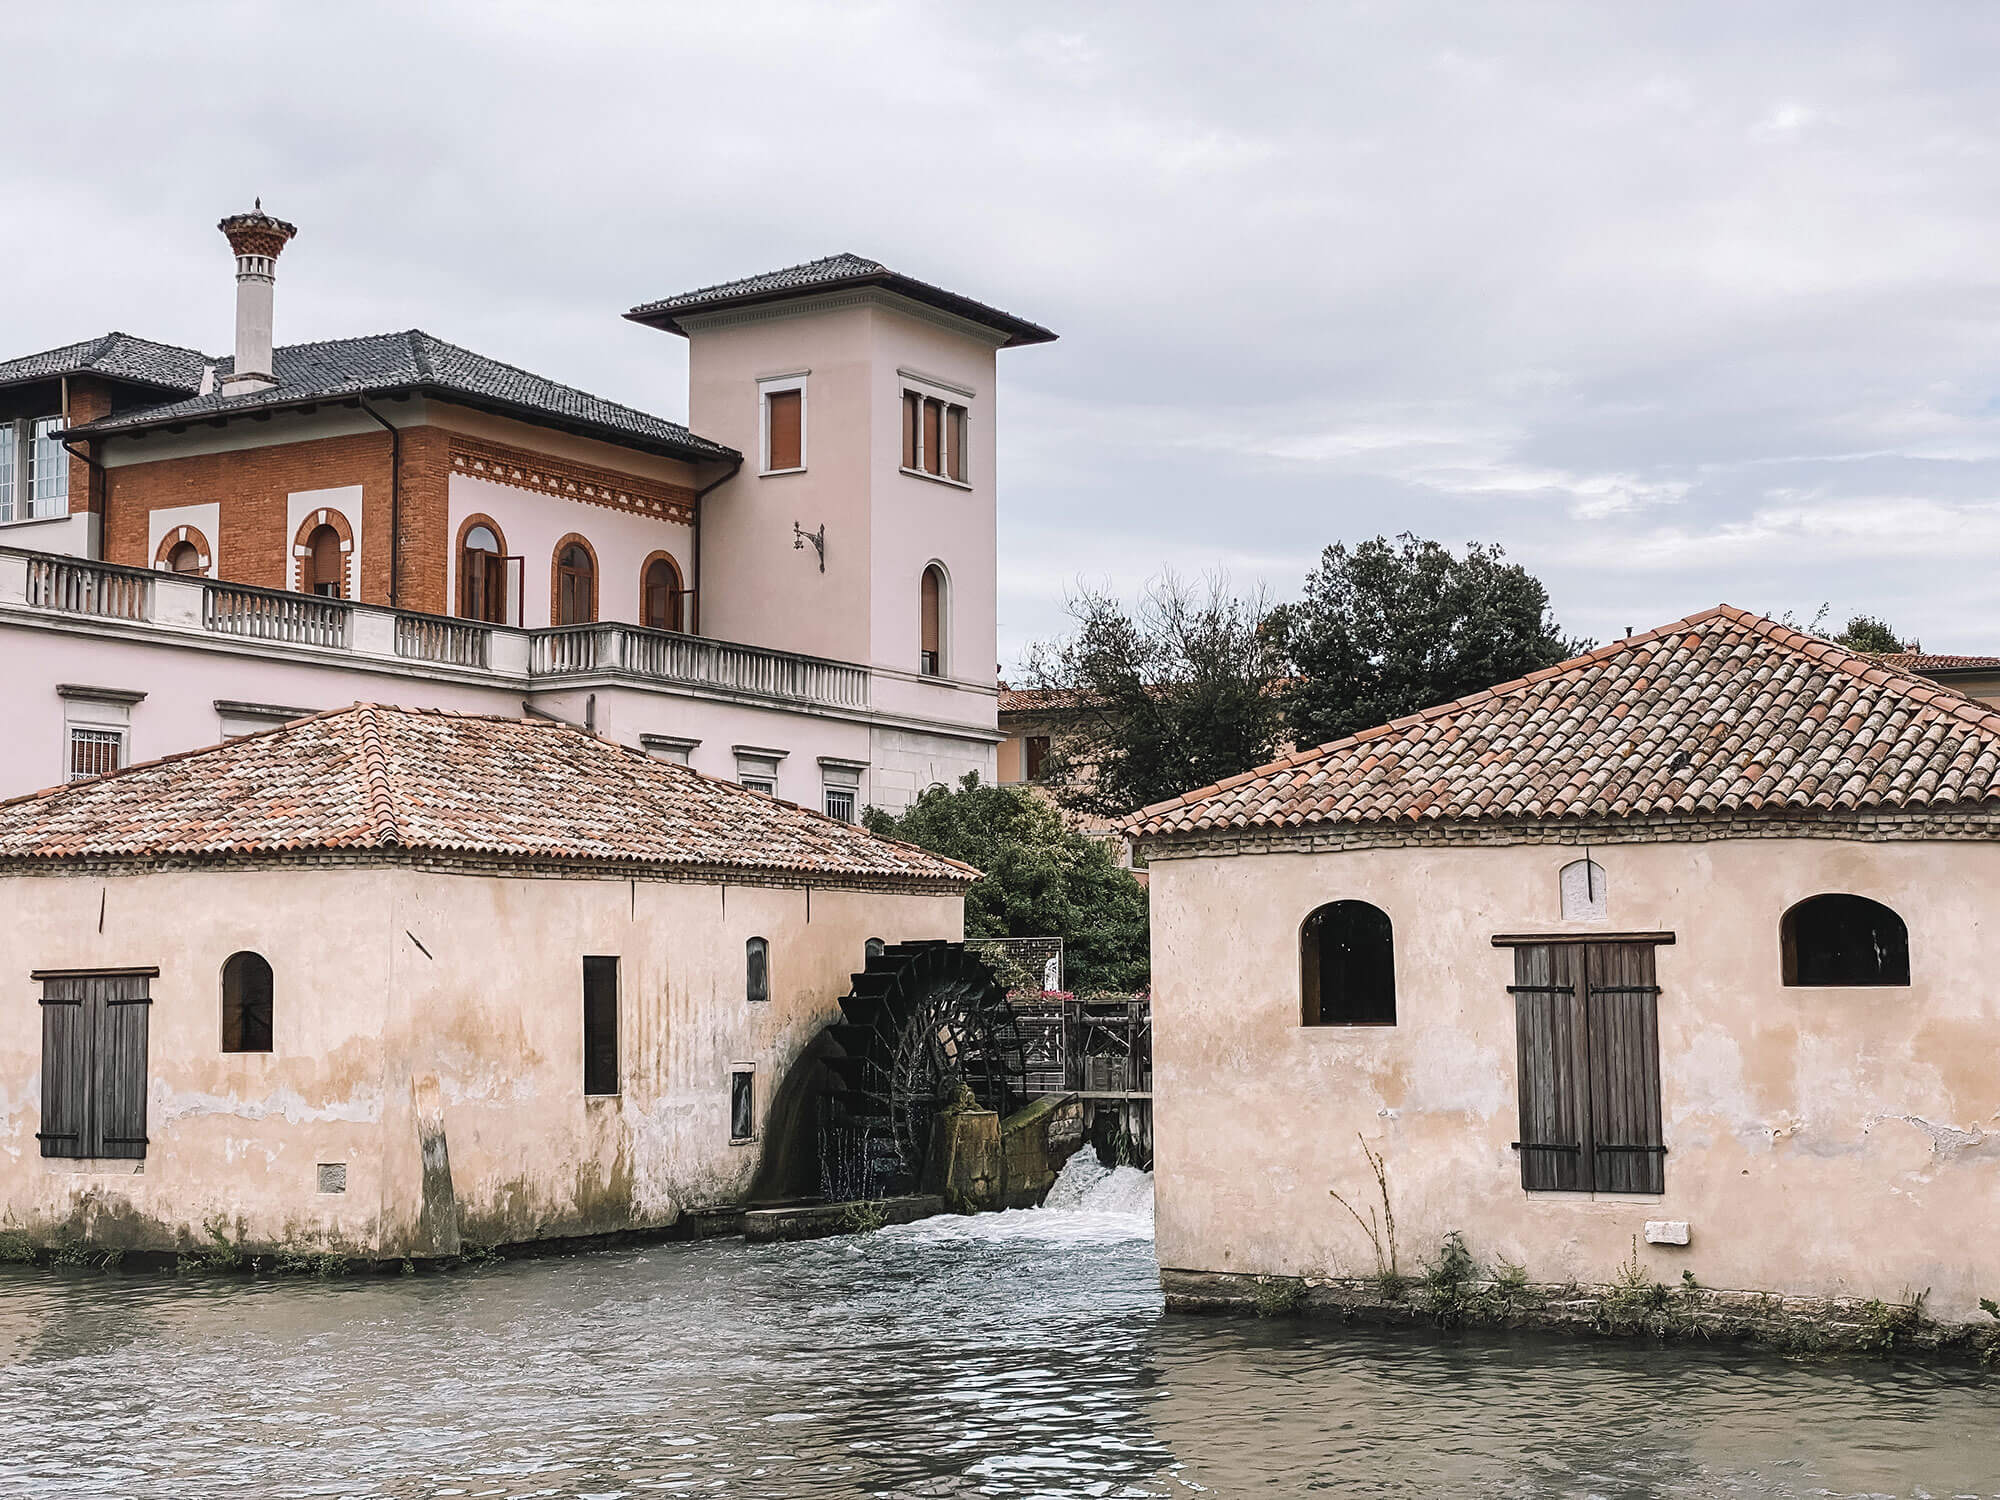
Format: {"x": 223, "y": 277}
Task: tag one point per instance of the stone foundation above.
{"x": 1794, "y": 1325}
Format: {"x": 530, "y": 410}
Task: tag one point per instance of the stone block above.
{"x": 1666, "y": 1232}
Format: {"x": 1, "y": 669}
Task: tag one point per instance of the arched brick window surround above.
{"x": 326, "y": 516}
{"x": 555, "y": 577}
{"x": 677, "y": 614}
{"x": 192, "y": 535}
{"x": 458, "y": 561}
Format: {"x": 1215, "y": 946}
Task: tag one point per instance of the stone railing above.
{"x": 195, "y": 608}
{"x": 696, "y": 661}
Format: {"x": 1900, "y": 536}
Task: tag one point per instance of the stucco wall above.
{"x": 391, "y": 984}
{"x": 1821, "y": 1141}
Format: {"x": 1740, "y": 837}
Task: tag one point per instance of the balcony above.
{"x": 160, "y": 605}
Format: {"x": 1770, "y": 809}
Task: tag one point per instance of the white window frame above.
{"x": 235, "y": 719}
{"x": 96, "y": 710}
{"x": 838, "y": 777}
{"x": 18, "y": 501}
{"x": 670, "y": 748}
{"x": 767, "y": 387}
{"x": 757, "y": 767}
{"x": 930, "y": 388}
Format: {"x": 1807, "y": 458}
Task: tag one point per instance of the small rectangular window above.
{"x": 742, "y": 1105}
{"x": 1035, "y": 754}
{"x": 840, "y": 803}
{"x": 757, "y": 970}
{"x": 600, "y": 1025}
{"x": 912, "y": 424}
{"x": 94, "y": 752}
{"x": 785, "y": 412}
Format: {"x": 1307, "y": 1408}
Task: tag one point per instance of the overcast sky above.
{"x": 1680, "y": 303}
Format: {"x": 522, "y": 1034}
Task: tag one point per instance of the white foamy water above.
{"x": 1090, "y": 1203}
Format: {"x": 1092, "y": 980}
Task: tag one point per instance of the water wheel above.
{"x": 923, "y": 1021}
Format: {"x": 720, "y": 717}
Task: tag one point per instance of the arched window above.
{"x": 931, "y": 661}
{"x": 185, "y": 557}
{"x": 660, "y": 595}
{"x": 1839, "y": 939}
{"x": 576, "y": 584}
{"x": 246, "y": 1003}
{"x": 873, "y": 948}
{"x": 482, "y": 576}
{"x": 757, "y": 970}
{"x": 325, "y": 563}
{"x": 1347, "y": 966}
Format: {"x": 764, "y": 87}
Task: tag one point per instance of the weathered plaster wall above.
{"x": 405, "y": 997}
{"x": 1821, "y": 1141}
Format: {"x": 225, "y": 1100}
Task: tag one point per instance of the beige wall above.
{"x": 1821, "y": 1141}
{"x": 489, "y": 1007}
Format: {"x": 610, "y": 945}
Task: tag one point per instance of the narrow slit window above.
{"x": 757, "y": 970}
{"x": 247, "y": 987}
{"x": 600, "y": 1025}
{"x": 930, "y": 603}
{"x": 1347, "y": 966}
{"x": 742, "y": 1105}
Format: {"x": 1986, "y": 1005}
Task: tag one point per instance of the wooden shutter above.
{"x": 930, "y": 596}
{"x": 1623, "y": 1030}
{"x": 118, "y": 1065}
{"x": 912, "y": 406}
{"x": 933, "y": 415}
{"x": 65, "y": 1068}
{"x": 785, "y": 409}
{"x": 1548, "y": 1031}
{"x": 955, "y": 427}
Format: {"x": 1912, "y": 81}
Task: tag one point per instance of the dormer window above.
{"x": 935, "y": 423}
{"x": 784, "y": 423}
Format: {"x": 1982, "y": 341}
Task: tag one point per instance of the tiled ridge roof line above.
{"x": 1827, "y": 653}
{"x": 375, "y": 775}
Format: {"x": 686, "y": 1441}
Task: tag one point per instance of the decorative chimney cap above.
{"x": 257, "y": 233}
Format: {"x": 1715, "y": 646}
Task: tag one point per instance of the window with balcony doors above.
{"x": 660, "y": 595}
{"x": 931, "y": 602}
{"x": 482, "y": 576}
{"x": 325, "y": 564}
{"x": 933, "y": 436}
{"x": 576, "y": 585}
{"x": 34, "y": 470}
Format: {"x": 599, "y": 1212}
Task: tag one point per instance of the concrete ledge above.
{"x": 1793, "y": 1325}
{"x": 818, "y": 1221}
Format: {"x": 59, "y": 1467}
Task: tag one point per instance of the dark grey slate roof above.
{"x": 414, "y": 361}
{"x": 116, "y": 356}
{"x": 832, "y": 273}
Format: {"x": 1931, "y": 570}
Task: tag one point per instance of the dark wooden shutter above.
{"x": 912, "y": 408}
{"x": 933, "y": 435}
{"x": 1623, "y": 1028}
{"x": 118, "y": 1065}
{"x": 786, "y": 448}
{"x": 65, "y": 1068}
{"x": 1548, "y": 1030}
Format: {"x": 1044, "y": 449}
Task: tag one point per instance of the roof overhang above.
{"x": 1016, "y": 331}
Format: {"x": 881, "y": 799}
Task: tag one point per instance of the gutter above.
{"x": 694, "y": 625}
{"x": 395, "y": 506}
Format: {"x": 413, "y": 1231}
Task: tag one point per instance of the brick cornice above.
{"x": 524, "y": 469}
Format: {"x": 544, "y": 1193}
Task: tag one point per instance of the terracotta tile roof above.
{"x": 1031, "y": 700}
{"x": 1722, "y": 713}
{"x": 828, "y": 274}
{"x": 371, "y": 778}
{"x": 1925, "y": 661}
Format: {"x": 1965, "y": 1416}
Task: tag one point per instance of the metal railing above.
{"x": 301, "y": 619}
{"x": 663, "y": 656}
{"x": 72, "y": 587}
{"x": 432, "y": 638}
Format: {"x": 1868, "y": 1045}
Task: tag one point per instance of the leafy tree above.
{"x": 1866, "y": 633}
{"x": 1153, "y": 703}
{"x": 1387, "y": 628}
{"x": 1042, "y": 879}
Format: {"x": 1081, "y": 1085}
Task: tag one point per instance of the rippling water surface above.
{"x": 1011, "y": 1355}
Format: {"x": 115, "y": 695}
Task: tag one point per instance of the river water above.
{"x": 1021, "y": 1354}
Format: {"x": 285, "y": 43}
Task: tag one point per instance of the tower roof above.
{"x": 832, "y": 273}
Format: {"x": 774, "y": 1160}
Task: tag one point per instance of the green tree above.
{"x": 1042, "y": 878}
{"x": 1155, "y": 702}
{"x": 1867, "y": 633}
{"x": 1390, "y": 627}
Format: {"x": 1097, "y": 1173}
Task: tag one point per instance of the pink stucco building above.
{"x": 795, "y": 591}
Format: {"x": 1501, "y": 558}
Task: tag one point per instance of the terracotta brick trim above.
{"x": 680, "y": 582}
{"x": 562, "y": 545}
{"x": 325, "y": 515}
{"x": 190, "y": 534}
{"x": 524, "y": 469}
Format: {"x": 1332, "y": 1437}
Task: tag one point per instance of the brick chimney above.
{"x": 257, "y": 239}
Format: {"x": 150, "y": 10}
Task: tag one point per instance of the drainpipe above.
{"x": 734, "y": 470}
{"x": 395, "y": 505}
{"x": 91, "y": 466}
